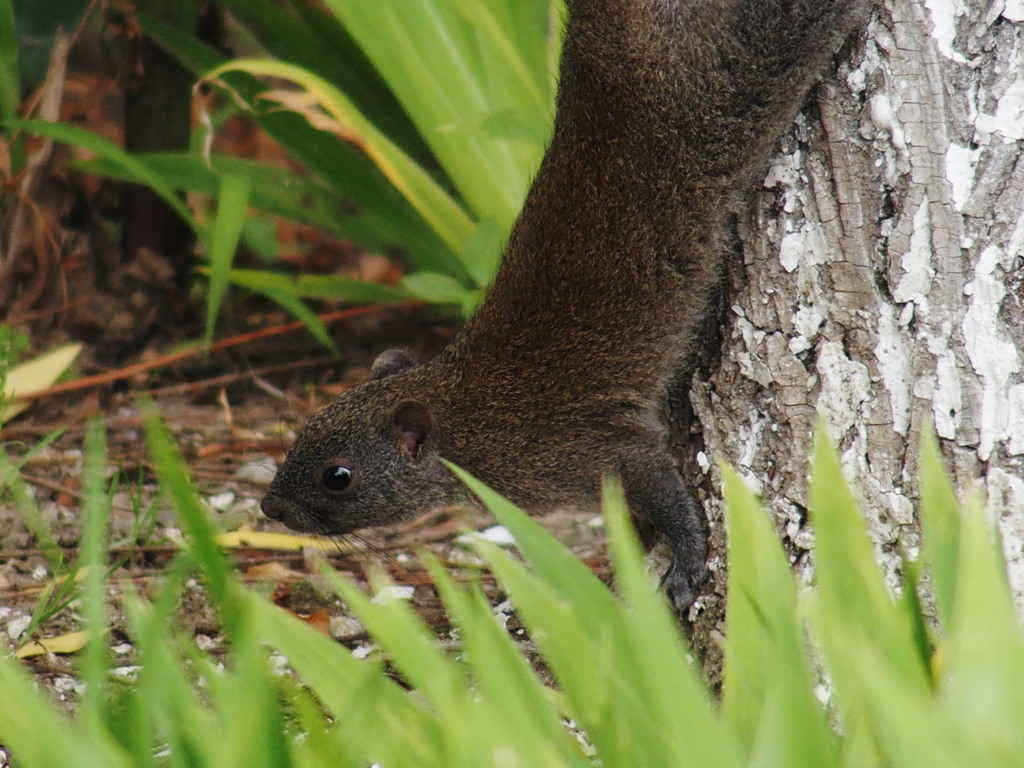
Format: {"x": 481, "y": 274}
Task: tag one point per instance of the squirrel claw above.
{"x": 681, "y": 583}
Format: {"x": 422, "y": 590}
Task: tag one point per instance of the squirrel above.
{"x": 666, "y": 110}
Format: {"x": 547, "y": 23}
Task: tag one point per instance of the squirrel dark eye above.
{"x": 337, "y": 478}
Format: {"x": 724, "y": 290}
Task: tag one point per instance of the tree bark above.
{"x": 158, "y": 118}
{"x": 881, "y": 285}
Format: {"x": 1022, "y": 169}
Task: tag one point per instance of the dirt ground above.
{"x": 232, "y": 426}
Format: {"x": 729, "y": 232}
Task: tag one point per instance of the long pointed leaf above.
{"x": 940, "y": 518}
{"x": 983, "y": 679}
{"x": 767, "y": 688}
{"x": 367, "y": 193}
{"x": 443, "y": 213}
{"x": 225, "y": 232}
{"x": 10, "y": 84}
{"x": 96, "y": 506}
{"x": 439, "y": 57}
{"x": 851, "y": 587}
{"x": 132, "y": 165}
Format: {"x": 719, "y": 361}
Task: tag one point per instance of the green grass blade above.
{"x": 552, "y": 562}
{"x": 10, "y": 468}
{"x": 367, "y": 706}
{"x": 767, "y": 698}
{"x": 901, "y": 718}
{"x": 439, "y": 289}
{"x": 173, "y": 714}
{"x": 31, "y": 515}
{"x": 176, "y": 483}
{"x": 311, "y": 38}
{"x": 509, "y": 688}
{"x": 579, "y": 657}
{"x": 910, "y": 605}
{"x": 267, "y": 284}
{"x": 621, "y": 684}
{"x": 96, "y": 508}
{"x": 225, "y": 231}
{"x": 317, "y": 286}
{"x": 278, "y": 191}
{"x": 412, "y": 647}
{"x": 484, "y": 249}
{"x": 651, "y": 632}
{"x": 537, "y": 28}
{"x": 519, "y": 91}
{"x": 246, "y": 700}
{"x": 594, "y": 671}
{"x": 524, "y": 84}
{"x": 24, "y": 711}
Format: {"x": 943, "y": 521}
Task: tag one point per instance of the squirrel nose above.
{"x": 277, "y": 508}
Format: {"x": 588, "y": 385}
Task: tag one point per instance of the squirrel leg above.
{"x": 659, "y": 499}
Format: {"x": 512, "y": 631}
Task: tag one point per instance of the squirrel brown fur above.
{"x": 666, "y": 110}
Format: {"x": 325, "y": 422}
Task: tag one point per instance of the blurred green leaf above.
{"x": 305, "y": 34}
{"x": 10, "y": 82}
{"x": 40, "y": 736}
{"x": 411, "y": 646}
{"x": 768, "y": 690}
{"x": 435, "y": 288}
{"x": 277, "y": 191}
{"x": 96, "y": 506}
{"x": 900, "y": 717}
{"x": 348, "y": 124}
{"x": 245, "y": 697}
{"x": 176, "y": 483}
{"x": 581, "y": 628}
{"x": 225, "y": 231}
{"x": 620, "y": 662}
{"x": 851, "y": 589}
{"x": 372, "y": 706}
{"x": 448, "y": 72}
{"x": 259, "y": 236}
{"x": 506, "y": 678}
{"x": 673, "y": 684}
{"x": 318, "y": 286}
{"x": 982, "y": 663}
{"x": 483, "y": 251}
{"x": 940, "y": 518}
{"x": 368, "y": 200}
{"x": 132, "y": 165}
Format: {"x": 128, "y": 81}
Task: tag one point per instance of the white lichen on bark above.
{"x": 882, "y": 281}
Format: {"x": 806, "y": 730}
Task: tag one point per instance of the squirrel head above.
{"x": 369, "y": 458}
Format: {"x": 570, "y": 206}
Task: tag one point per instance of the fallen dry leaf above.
{"x": 283, "y": 542}
{"x": 69, "y": 643}
{"x": 272, "y": 571}
{"x": 36, "y": 375}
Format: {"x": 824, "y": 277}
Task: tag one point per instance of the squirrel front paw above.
{"x": 682, "y": 582}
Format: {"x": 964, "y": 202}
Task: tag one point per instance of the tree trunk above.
{"x": 881, "y": 284}
{"x": 158, "y": 118}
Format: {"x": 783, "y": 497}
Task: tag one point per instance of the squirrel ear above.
{"x": 389, "y": 362}
{"x": 413, "y": 425}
